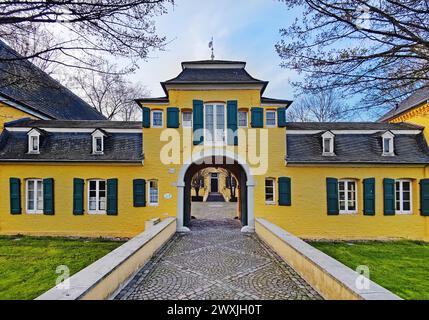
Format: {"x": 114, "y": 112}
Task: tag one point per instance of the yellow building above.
{"x": 316, "y": 180}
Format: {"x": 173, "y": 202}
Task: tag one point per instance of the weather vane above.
{"x": 211, "y": 46}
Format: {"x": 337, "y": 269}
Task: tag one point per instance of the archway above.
{"x": 226, "y": 160}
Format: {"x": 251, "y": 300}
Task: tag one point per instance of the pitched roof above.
{"x": 71, "y": 147}
{"x": 102, "y": 124}
{"x": 214, "y": 72}
{"x": 265, "y": 100}
{"x": 356, "y": 148}
{"x": 25, "y": 85}
{"x": 417, "y": 98}
{"x": 324, "y": 126}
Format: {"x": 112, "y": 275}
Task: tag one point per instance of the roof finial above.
{"x": 211, "y": 46}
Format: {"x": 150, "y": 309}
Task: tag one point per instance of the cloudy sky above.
{"x": 242, "y": 30}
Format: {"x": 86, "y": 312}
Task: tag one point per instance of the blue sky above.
{"x": 242, "y": 30}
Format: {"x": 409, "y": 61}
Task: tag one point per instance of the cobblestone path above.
{"x": 216, "y": 261}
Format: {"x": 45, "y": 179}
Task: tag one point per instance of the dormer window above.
{"x": 98, "y": 142}
{"x": 34, "y": 141}
{"x": 388, "y": 144}
{"x": 328, "y": 143}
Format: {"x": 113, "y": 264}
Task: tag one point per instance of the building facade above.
{"x": 316, "y": 180}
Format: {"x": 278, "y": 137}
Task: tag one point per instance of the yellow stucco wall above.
{"x": 8, "y": 113}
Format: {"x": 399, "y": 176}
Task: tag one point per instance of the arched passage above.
{"x": 226, "y": 160}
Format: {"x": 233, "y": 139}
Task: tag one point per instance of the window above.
{"x": 214, "y": 124}
{"x": 97, "y": 196}
{"x": 187, "y": 119}
{"x": 34, "y": 144}
{"x": 328, "y": 143}
{"x": 347, "y": 196}
{"x": 388, "y": 144}
{"x": 157, "y": 119}
{"x": 153, "y": 193}
{"x": 242, "y": 119}
{"x": 98, "y": 142}
{"x": 403, "y": 196}
{"x": 34, "y": 194}
{"x": 33, "y": 141}
{"x": 271, "y": 118}
{"x": 269, "y": 191}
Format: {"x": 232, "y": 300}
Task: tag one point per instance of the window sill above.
{"x": 33, "y": 152}
{"x": 328, "y": 154}
{"x": 153, "y": 204}
{"x": 270, "y": 203}
{"x": 97, "y": 212}
{"x": 34, "y": 212}
{"x": 408, "y": 213}
{"x": 348, "y": 213}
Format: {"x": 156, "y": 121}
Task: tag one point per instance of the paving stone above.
{"x": 216, "y": 261}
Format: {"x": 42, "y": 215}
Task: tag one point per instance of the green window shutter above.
{"x": 281, "y": 117}
{"x": 146, "y": 117}
{"x": 139, "y": 191}
{"x": 369, "y": 197}
{"x": 389, "y": 197}
{"x": 172, "y": 117}
{"x": 78, "y": 189}
{"x": 15, "y": 195}
{"x": 332, "y": 196}
{"x": 198, "y": 122}
{"x": 257, "y": 117}
{"x": 232, "y": 112}
{"x": 48, "y": 197}
{"x": 112, "y": 197}
{"x": 424, "y": 197}
{"x": 285, "y": 198}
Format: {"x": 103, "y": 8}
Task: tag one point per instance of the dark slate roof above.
{"x": 325, "y": 126}
{"x": 267, "y": 100}
{"x": 72, "y": 147}
{"x": 23, "y": 83}
{"x": 106, "y": 124}
{"x": 215, "y": 75}
{"x": 417, "y": 98}
{"x": 356, "y": 148}
{"x": 211, "y": 75}
{"x": 153, "y": 100}
{"x": 212, "y": 62}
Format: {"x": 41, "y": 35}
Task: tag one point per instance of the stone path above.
{"x": 216, "y": 261}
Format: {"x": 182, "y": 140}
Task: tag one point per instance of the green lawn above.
{"x": 28, "y": 264}
{"x": 400, "y": 266}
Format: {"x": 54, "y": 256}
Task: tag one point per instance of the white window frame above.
{"x": 401, "y": 195}
{"x": 275, "y": 118}
{"x": 97, "y": 134}
{"x": 97, "y": 197}
{"x": 247, "y": 119}
{"x": 152, "y": 119}
{"x": 274, "y": 191}
{"x": 33, "y": 134}
{"x": 150, "y": 203}
{"x": 214, "y": 142}
{"x": 331, "y": 139}
{"x": 390, "y": 137}
{"x": 35, "y": 192}
{"x": 183, "y": 120}
{"x": 346, "y": 195}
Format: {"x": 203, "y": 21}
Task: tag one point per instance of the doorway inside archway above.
{"x": 215, "y": 190}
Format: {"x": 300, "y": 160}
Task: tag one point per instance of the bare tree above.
{"x": 197, "y": 181}
{"x": 81, "y": 30}
{"x": 109, "y": 92}
{"x": 326, "y": 106}
{"x": 378, "y": 50}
